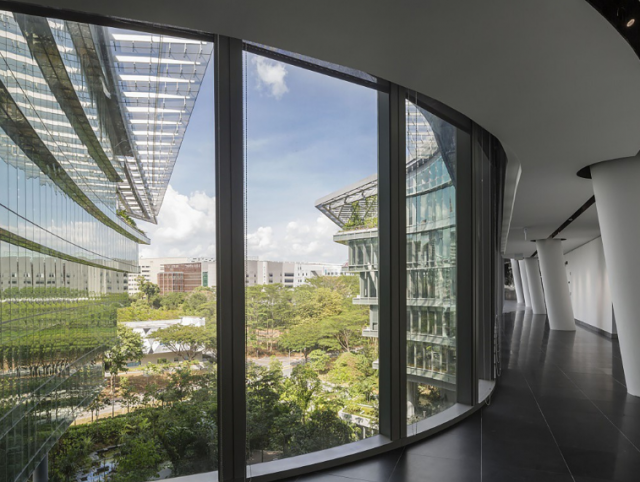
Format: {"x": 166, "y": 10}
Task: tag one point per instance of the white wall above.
{"x": 589, "y": 285}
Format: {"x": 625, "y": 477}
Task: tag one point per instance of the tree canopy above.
{"x": 184, "y": 340}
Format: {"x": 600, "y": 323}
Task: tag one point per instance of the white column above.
{"x": 615, "y": 185}
{"x": 556, "y": 288}
{"x": 515, "y": 269}
{"x": 525, "y": 283}
{"x": 535, "y": 286}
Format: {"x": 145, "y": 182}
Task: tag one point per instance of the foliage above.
{"x": 139, "y": 457}
{"x": 184, "y": 340}
{"x": 173, "y": 300}
{"x": 70, "y": 454}
{"x": 147, "y": 288}
{"x": 355, "y": 220}
{"x": 301, "y": 338}
{"x": 343, "y": 330}
{"x": 319, "y": 360}
{"x": 142, "y": 310}
{"x": 366, "y": 220}
{"x": 126, "y": 218}
{"x": 128, "y": 347}
{"x": 287, "y": 415}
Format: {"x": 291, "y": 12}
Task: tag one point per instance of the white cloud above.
{"x": 271, "y": 74}
{"x": 261, "y": 239}
{"x": 186, "y": 226}
{"x": 297, "y": 241}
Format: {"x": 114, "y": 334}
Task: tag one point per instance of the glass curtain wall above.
{"x": 96, "y": 160}
{"x": 431, "y": 264}
{"x": 312, "y": 261}
{"x": 92, "y": 120}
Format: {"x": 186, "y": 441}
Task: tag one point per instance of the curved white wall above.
{"x": 615, "y": 184}
{"x": 589, "y": 284}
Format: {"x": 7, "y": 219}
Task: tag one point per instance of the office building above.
{"x": 431, "y": 259}
{"x": 496, "y": 132}
{"x": 180, "y": 277}
{"x": 78, "y": 160}
{"x": 288, "y": 273}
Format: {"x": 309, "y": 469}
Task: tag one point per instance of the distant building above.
{"x": 150, "y": 268}
{"x": 288, "y": 273}
{"x": 180, "y": 277}
{"x": 185, "y": 274}
{"x": 153, "y": 350}
{"x": 431, "y": 254}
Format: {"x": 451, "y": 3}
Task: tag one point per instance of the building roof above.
{"x": 155, "y": 80}
{"x": 422, "y": 146}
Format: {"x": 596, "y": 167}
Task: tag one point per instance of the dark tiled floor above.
{"x": 560, "y": 414}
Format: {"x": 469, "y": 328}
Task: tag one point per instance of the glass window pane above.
{"x": 95, "y": 120}
{"x": 312, "y": 210}
{"x": 431, "y": 265}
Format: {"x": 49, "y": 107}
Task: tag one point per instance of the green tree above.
{"x": 188, "y": 433}
{"x": 184, "y": 340}
{"x": 147, "y": 288}
{"x": 68, "y": 457}
{"x": 302, "y": 338}
{"x": 97, "y": 404}
{"x": 312, "y": 303}
{"x": 303, "y": 388}
{"x": 139, "y": 451}
{"x": 342, "y": 331}
{"x": 129, "y": 347}
{"x": 264, "y": 389}
{"x": 128, "y": 393}
{"x": 173, "y": 300}
{"x": 319, "y": 360}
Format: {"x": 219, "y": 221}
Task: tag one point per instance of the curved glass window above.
{"x": 431, "y": 264}
{"x": 311, "y": 269}
{"x": 110, "y": 375}
{"x": 303, "y": 302}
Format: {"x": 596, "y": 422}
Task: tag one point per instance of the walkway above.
{"x": 560, "y": 414}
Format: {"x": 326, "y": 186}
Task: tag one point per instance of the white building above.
{"x": 288, "y": 273}
{"x": 154, "y": 350}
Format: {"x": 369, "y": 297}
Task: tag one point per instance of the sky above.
{"x": 307, "y": 135}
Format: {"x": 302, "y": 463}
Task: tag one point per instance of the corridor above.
{"x": 560, "y": 413}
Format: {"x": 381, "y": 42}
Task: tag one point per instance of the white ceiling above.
{"x": 551, "y": 79}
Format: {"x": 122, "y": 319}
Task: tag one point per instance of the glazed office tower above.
{"x": 430, "y": 255}
{"x": 91, "y": 122}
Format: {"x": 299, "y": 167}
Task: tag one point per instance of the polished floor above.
{"x": 560, "y": 414}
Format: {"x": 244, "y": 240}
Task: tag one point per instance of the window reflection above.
{"x": 431, "y": 264}
{"x": 311, "y": 277}
{"x": 82, "y": 153}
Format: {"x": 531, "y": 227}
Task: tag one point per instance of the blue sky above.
{"x": 307, "y": 136}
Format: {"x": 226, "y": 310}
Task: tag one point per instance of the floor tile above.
{"x": 502, "y": 473}
{"x": 414, "y": 468}
{"x": 607, "y": 465}
{"x": 559, "y": 414}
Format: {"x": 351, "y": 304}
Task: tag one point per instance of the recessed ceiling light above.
{"x": 631, "y": 22}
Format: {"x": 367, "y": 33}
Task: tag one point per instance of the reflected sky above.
{"x": 307, "y": 136}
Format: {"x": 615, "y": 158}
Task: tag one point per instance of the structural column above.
{"x": 517, "y": 281}
{"x": 556, "y": 289}
{"x": 615, "y": 185}
{"x": 525, "y": 283}
{"x": 41, "y": 474}
{"x": 535, "y": 286}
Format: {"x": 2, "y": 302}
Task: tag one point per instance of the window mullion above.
{"x": 230, "y": 257}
